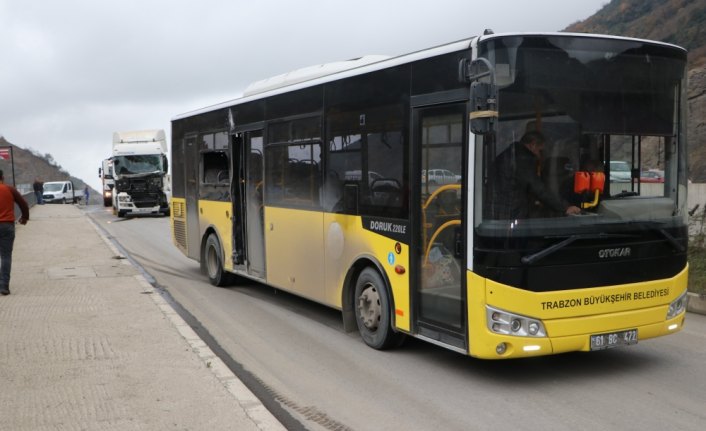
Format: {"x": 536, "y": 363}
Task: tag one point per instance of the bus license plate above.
{"x": 613, "y": 339}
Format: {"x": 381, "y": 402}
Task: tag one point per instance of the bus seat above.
{"x": 386, "y": 192}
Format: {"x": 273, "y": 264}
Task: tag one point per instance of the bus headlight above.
{"x": 677, "y": 306}
{"x": 502, "y": 322}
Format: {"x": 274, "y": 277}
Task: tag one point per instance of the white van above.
{"x": 59, "y": 192}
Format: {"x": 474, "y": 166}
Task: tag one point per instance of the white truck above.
{"x": 59, "y": 192}
{"x": 140, "y": 173}
{"x": 105, "y": 173}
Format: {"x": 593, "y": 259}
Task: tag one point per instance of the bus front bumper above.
{"x": 496, "y": 346}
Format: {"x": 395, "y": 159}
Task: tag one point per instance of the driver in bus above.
{"x": 519, "y": 191}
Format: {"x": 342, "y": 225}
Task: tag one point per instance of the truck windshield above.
{"x": 53, "y": 187}
{"x": 579, "y": 119}
{"x": 137, "y": 164}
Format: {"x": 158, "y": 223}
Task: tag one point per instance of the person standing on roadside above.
{"x": 38, "y": 187}
{"x": 9, "y": 196}
{"x": 86, "y": 194}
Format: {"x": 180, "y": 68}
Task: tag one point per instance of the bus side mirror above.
{"x": 480, "y": 73}
{"x": 165, "y": 163}
{"x": 483, "y": 108}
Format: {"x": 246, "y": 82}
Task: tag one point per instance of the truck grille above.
{"x": 145, "y": 200}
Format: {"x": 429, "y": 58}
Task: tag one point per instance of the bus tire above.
{"x": 213, "y": 262}
{"x": 373, "y": 311}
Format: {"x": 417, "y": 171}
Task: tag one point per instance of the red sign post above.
{"x": 6, "y": 154}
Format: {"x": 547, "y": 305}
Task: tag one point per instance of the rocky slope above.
{"x": 682, "y": 22}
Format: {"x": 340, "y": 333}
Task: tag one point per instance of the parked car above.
{"x": 620, "y": 171}
{"x": 440, "y": 176}
{"x": 651, "y": 177}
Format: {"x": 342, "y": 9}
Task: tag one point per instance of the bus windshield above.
{"x": 578, "y": 119}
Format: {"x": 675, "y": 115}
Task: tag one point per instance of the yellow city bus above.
{"x": 375, "y": 186}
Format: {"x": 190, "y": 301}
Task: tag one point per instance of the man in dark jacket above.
{"x": 518, "y": 187}
{"x": 38, "y": 187}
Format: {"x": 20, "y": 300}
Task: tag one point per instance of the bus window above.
{"x": 367, "y": 156}
{"x": 386, "y": 180}
{"x": 215, "y": 168}
{"x": 343, "y": 167}
{"x": 293, "y": 163}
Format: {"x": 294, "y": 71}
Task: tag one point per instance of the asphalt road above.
{"x": 299, "y": 356}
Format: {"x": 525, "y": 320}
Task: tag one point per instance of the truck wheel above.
{"x": 63, "y": 201}
{"x": 373, "y": 311}
{"x": 213, "y": 262}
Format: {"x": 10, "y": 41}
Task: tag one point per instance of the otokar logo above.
{"x": 610, "y": 253}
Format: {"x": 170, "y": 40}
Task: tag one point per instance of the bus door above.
{"x": 191, "y": 191}
{"x": 248, "y": 205}
{"x": 439, "y": 242}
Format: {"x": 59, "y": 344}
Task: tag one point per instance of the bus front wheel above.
{"x": 373, "y": 312}
{"x": 217, "y": 276}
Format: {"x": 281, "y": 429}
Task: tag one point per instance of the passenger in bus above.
{"x": 518, "y": 188}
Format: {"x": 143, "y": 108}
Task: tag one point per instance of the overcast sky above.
{"x": 74, "y": 71}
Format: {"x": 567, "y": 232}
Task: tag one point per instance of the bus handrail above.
{"x": 454, "y": 222}
{"x": 428, "y": 202}
{"x": 438, "y": 192}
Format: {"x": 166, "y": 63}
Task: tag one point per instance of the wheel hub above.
{"x": 212, "y": 262}
{"x": 369, "y": 308}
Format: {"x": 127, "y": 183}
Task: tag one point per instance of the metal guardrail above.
{"x": 31, "y": 201}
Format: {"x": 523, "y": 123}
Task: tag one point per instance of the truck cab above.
{"x": 139, "y": 168}
{"x": 105, "y": 173}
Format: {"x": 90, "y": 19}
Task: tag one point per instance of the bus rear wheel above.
{"x": 213, "y": 262}
{"x": 373, "y": 311}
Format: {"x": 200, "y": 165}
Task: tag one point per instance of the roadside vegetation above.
{"x": 697, "y": 251}
{"x": 697, "y": 269}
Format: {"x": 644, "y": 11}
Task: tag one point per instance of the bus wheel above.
{"x": 214, "y": 263}
{"x": 373, "y": 311}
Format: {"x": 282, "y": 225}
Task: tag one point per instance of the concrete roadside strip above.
{"x": 696, "y": 303}
{"x": 82, "y": 345}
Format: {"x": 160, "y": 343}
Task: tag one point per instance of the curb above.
{"x": 252, "y": 406}
{"x": 696, "y": 303}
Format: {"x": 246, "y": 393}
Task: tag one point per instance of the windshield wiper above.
{"x": 676, "y": 244}
{"x": 655, "y": 226}
{"x": 532, "y": 258}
